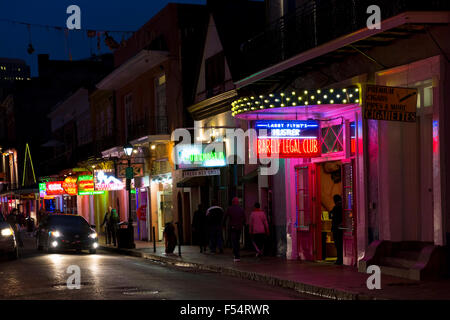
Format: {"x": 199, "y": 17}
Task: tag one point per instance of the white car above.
{"x": 8, "y": 244}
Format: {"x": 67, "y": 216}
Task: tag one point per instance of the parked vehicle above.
{"x": 8, "y": 244}
{"x": 58, "y": 232}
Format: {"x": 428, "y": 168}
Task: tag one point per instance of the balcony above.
{"x": 147, "y": 126}
{"x": 318, "y": 22}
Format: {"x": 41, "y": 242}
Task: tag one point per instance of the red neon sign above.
{"x": 288, "y": 148}
{"x": 54, "y": 188}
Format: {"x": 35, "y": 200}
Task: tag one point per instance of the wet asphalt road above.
{"x": 39, "y": 275}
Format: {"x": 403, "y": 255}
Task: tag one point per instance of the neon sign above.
{"x": 288, "y": 139}
{"x": 105, "y": 180}
{"x": 42, "y": 189}
{"x": 70, "y": 186}
{"x": 198, "y": 155}
{"x": 54, "y": 188}
{"x": 85, "y": 184}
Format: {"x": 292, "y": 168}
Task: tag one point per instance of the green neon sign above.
{"x": 207, "y": 156}
{"x": 90, "y": 193}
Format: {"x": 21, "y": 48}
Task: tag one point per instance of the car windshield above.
{"x": 72, "y": 222}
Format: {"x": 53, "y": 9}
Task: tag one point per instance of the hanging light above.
{"x": 128, "y": 149}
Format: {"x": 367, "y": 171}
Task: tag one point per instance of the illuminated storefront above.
{"x": 316, "y": 138}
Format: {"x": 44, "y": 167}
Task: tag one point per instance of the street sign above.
{"x": 138, "y": 169}
{"x": 201, "y": 173}
{"x": 129, "y": 173}
{"x": 390, "y": 103}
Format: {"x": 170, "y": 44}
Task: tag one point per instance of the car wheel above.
{"x": 92, "y": 251}
{"x": 13, "y": 255}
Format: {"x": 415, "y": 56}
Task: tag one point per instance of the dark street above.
{"x": 39, "y": 275}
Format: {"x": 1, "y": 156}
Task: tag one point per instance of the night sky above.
{"x": 127, "y": 15}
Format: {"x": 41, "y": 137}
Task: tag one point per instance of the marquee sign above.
{"x": 288, "y": 139}
{"x": 189, "y": 156}
{"x": 105, "y": 180}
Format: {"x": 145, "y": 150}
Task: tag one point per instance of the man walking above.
{"x": 113, "y": 221}
{"x": 214, "y": 216}
{"x": 236, "y": 217}
{"x": 106, "y": 224}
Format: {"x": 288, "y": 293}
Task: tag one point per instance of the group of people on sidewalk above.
{"x": 208, "y": 227}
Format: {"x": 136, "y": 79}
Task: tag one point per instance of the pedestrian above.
{"x": 105, "y": 223}
{"x": 112, "y": 226}
{"x": 214, "y": 217}
{"x": 13, "y": 220}
{"x": 170, "y": 238}
{"x": 236, "y": 216}
{"x": 259, "y": 228}
{"x": 199, "y": 228}
{"x": 336, "y": 224}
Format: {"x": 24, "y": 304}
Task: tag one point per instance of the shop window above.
{"x": 332, "y": 139}
{"x": 161, "y": 104}
{"x": 428, "y": 96}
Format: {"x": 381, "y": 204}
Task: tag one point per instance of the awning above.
{"x": 249, "y": 177}
{"x": 192, "y": 182}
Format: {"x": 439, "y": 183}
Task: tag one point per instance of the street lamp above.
{"x": 128, "y": 149}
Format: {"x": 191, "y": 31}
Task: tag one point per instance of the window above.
{"x": 214, "y": 71}
{"x": 332, "y": 138}
{"x": 161, "y": 104}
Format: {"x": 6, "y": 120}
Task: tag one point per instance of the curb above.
{"x": 304, "y": 288}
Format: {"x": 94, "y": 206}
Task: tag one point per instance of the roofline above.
{"x": 421, "y": 17}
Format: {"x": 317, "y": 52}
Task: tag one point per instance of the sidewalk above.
{"x": 321, "y": 279}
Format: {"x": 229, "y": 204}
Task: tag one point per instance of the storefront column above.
{"x": 291, "y": 231}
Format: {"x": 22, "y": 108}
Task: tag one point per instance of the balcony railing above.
{"x": 318, "y": 22}
{"x": 147, "y": 126}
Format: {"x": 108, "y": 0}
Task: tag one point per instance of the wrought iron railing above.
{"x": 147, "y": 126}
{"x": 318, "y": 22}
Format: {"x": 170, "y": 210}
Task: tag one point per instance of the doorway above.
{"x": 316, "y": 186}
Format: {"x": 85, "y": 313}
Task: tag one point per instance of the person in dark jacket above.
{"x": 108, "y": 231}
{"x": 336, "y": 223}
{"x": 236, "y": 216}
{"x": 170, "y": 238}
{"x": 199, "y": 228}
{"x": 214, "y": 217}
{"x": 114, "y": 219}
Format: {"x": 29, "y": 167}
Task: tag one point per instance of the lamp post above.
{"x": 128, "y": 149}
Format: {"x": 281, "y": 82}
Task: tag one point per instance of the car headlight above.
{"x": 7, "y": 232}
{"x": 93, "y": 235}
{"x": 55, "y": 234}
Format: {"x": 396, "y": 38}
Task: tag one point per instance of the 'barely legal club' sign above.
{"x": 390, "y": 103}
{"x": 288, "y": 139}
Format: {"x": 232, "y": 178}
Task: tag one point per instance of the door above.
{"x": 349, "y": 212}
{"x": 307, "y": 222}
